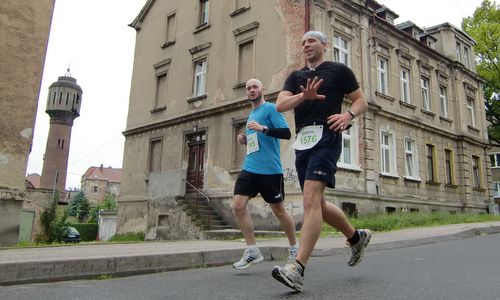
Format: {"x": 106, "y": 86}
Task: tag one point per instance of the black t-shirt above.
{"x": 338, "y": 80}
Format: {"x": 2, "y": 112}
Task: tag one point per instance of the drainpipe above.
{"x": 307, "y": 15}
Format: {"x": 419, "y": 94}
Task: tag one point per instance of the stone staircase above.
{"x": 205, "y": 217}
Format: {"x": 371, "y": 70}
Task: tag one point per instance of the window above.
{"x": 448, "y": 165}
{"x": 341, "y": 50}
{"x": 405, "y": 85}
{"x": 170, "y": 33}
{"x": 471, "y": 116}
{"x": 411, "y": 159}
{"x": 382, "y": 76}
{"x": 495, "y": 160}
{"x": 443, "y": 100}
{"x": 349, "y": 156}
{"x": 155, "y": 149}
{"x": 431, "y": 163}
{"x": 466, "y": 57}
{"x": 161, "y": 90}
{"x": 459, "y": 52}
{"x": 496, "y": 189}
{"x": 95, "y": 189}
{"x": 424, "y": 86}
{"x": 204, "y": 12}
{"x": 245, "y": 61}
{"x": 200, "y": 77}
{"x": 388, "y": 153}
{"x": 350, "y": 209}
{"x": 431, "y": 44}
{"x": 476, "y": 172}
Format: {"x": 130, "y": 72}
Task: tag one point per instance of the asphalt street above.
{"x": 457, "y": 269}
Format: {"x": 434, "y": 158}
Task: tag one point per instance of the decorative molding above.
{"x": 162, "y": 63}
{"x": 239, "y": 11}
{"x": 200, "y": 47}
{"x": 197, "y": 98}
{"x": 248, "y": 27}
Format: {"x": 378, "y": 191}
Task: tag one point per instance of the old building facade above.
{"x": 24, "y": 30}
{"x": 421, "y": 146}
{"x": 98, "y": 181}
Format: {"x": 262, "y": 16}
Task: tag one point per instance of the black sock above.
{"x": 354, "y": 238}
{"x": 302, "y": 266}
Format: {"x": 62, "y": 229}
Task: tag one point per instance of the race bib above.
{"x": 252, "y": 143}
{"x": 308, "y": 137}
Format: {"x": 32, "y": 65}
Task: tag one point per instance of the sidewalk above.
{"x": 28, "y": 265}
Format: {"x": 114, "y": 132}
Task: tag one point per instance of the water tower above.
{"x": 63, "y": 106}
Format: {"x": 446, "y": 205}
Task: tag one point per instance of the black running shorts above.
{"x": 270, "y": 187}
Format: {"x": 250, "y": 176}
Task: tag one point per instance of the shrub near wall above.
{"x": 88, "y": 231}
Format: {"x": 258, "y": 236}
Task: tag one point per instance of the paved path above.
{"x": 89, "y": 261}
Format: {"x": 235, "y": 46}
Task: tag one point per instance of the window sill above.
{"x": 451, "y": 186}
{"x": 197, "y": 98}
{"x": 412, "y": 179}
{"x": 474, "y": 129}
{"x": 235, "y": 171}
{"x": 167, "y": 44}
{"x": 428, "y": 112}
{"x": 349, "y": 168}
{"x": 479, "y": 189}
{"x": 239, "y": 11}
{"x": 387, "y": 175}
{"x": 201, "y": 27}
{"x": 387, "y": 97}
{"x": 434, "y": 183}
{"x": 406, "y": 104}
{"x": 445, "y": 119}
{"x": 158, "y": 109}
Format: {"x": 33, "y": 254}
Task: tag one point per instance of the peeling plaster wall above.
{"x": 24, "y": 32}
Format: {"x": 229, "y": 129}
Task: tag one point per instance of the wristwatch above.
{"x": 264, "y": 129}
{"x": 352, "y": 114}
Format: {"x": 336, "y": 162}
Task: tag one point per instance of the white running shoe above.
{"x": 248, "y": 259}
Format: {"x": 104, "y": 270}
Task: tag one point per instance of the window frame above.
{"x": 350, "y": 135}
{"x": 391, "y": 154}
{"x": 342, "y": 52}
{"x": 382, "y": 76}
{"x": 196, "y": 92}
{"x": 495, "y": 162}
{"x": 425, "y": 93}
{"x": 431, "y": 170}
{"x": 414, "y": 159}
{"x": 405, "y": 82}
{"x": 449, "y": 167}
{"x": 477, "y": 183}
{"x": 443, "y": 100}
{"x": 204, "y": 13}
{"x": 471, "y": 111}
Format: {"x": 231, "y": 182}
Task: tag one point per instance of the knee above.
{"x": 279, "y": 211}
{"x": 311, "y": 204}
{"x": 239, "y": 208}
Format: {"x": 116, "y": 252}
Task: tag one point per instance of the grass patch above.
{"x": 104, "y": 277}
{"x": 390, "y": 222}
{"x": 128, "y": 237}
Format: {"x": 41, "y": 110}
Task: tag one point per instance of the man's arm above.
{"x": 280, "y": 133}
{"x": 287, "y": 101}
{"x": 338, "y": 122}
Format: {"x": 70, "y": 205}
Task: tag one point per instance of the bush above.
{"x": 88, "y": 232}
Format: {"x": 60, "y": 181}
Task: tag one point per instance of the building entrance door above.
{"x": 196, "y": 148}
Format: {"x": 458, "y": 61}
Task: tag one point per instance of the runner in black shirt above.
{"x": 315, "y": 93}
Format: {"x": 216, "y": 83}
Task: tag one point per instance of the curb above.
{"x": 116, "y": 266}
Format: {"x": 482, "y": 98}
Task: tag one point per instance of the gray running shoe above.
{"x": 248, "y": 259}
{"x": 290, "y": 275}
{"x": 358, "y": 249}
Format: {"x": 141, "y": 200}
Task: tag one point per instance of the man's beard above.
{"x": 256, "y": 99}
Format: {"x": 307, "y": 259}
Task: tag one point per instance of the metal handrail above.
{"x": 196, "y": 206}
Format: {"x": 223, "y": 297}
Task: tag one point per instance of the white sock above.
{"x": 253, "y": 249}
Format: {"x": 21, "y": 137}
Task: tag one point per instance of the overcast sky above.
{"x": 93, "y": 38}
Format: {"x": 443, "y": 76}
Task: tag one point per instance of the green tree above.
{"x": 53, "y": 226}
{"x": 484, "y": 27}
{"x": 74, "y": 203}
{"x": 109, "y": 203}
{"x": 83, "y": 210}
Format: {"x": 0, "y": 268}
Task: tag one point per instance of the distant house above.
{"x": 33, "y": 181}
{"x": 97, "y": 181}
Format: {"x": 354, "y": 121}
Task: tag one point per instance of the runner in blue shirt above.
{"x": 262, "y": 172}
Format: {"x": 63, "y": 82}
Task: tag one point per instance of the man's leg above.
{"x": 336, "y": 218}
{"x": 286, "y": 221}
{"x": 311, "y": 228}
{"x": 252, "y": 254}
{"x": 243, "y": 218}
